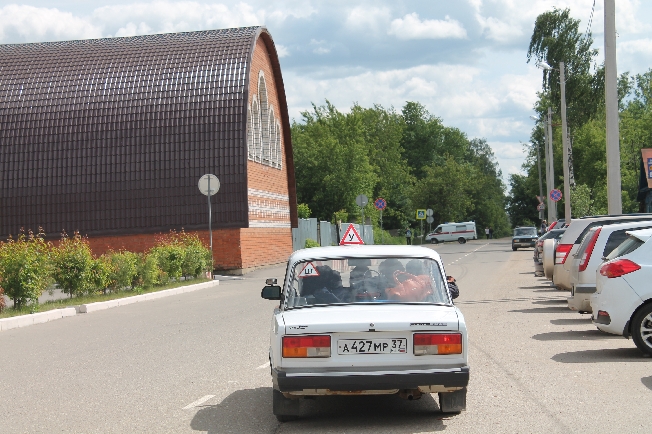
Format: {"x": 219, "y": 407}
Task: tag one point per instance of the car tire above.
{"x": 434, "y": 241}
{"x": 643, "y": 320}
{"x": 285, "y": 409}
{"x": 461, "y": 240}
{"x": 452, "y": 402}
{"x": 514, "y": 248}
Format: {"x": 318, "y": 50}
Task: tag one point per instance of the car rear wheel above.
{"x": 285, "y": 409}
{"x": 461, "y": 240}
{"x": 452, "y": 402}
{"x": 642, "y": 329}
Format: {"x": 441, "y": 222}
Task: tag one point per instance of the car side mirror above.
{"x": 271, "y": 292}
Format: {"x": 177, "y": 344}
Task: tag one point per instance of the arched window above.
{"x": 255, "y": 124}
{"x": 264, "y": 117}
{"x": 250, "y": 136}
{"x": 271, "y": 122}
{"x": 279, "y": 151}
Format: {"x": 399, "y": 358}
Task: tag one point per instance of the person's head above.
{"x": 415, "y": 266}
{"x": 389, "y": 266}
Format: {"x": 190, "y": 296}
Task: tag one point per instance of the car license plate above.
{"x": 371, "y": 346}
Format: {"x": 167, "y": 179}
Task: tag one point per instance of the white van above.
{"x": 459, "y": 232}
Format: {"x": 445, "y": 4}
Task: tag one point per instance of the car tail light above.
{"x": 618, "y": 268}
{"x": 586, "y": 256}
{"x": 306, "y": 346}
{"x": 562, "y": 253}
{"x": 439, "y": 343}
{"x": 552, "y": 226}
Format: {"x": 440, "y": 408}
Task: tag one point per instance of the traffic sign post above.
{"x": 380, "y": 205}
{"x": 208, "y": 185}
{"x": 421, "y": 215}
{"x": 362, "y": 201}
{"x": 430, "y": 219}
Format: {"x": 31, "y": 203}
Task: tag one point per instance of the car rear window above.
{"x": 585, "y": 243}
{"x": 366, "y": 280}
{"x": 625, "y": 248}
{"x": 607, "y": 222}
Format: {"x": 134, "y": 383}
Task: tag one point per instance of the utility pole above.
{"x": 540, "y": 182}
{"x": 550, "y": 161}
{"x": 564, "y": 137}
{"x": 614, "y": 198}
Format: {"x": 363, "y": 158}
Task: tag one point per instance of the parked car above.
{"x": 366, "y": 320}
{"x": 538, "y": 249}
{"x": 557, "y": 224}
{"x": 622, "y": 303}
{"x": 570, "y": 242}
{"x": 597, "y": 244}
{"x": 548, "y": 256}
{"x": 459, "y": 232}
{"x": 524, "y": 236}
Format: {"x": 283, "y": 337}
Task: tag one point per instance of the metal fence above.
{"x": 325, "y": 233}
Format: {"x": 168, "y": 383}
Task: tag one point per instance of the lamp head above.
{"x": 543, "y": 65}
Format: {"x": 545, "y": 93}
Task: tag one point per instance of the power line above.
{"x": 588, "y": 28}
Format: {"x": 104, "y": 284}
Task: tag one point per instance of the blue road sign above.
{"x": 380, "y": 203}
{"x": 555, "y": 195}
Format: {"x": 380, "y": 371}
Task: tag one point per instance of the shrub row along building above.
{"x": 110, "y": 137}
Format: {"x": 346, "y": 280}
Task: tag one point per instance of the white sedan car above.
{"x": 366, "y": 320}
{"x": 622, "y": 303}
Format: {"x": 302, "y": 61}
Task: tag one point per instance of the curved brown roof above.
{"x": 112, "y": 135}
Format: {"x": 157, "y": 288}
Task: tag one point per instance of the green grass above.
{"x": 85, "y": 299}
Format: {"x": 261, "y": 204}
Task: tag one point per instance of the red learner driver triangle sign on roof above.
{"x": 351, "y": 237}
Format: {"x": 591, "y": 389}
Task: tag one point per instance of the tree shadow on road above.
{"x": 549, "y": 309}
{"x": 601, "y": 356}
{"x": 250, "y": 411}
{"x": 551, "y": 301}
{"x": 534, "y": 287}
{"x": 571, "y": 321}
{"x": 575, "y": 335}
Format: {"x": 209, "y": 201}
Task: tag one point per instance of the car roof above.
{"x": 643, "y": 224}
{"x": 364, "y": 251}
{"x": 578, "y": 227}
{"x": 641, "y": 234}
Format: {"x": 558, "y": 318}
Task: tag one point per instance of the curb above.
{"x": 51, "y": 315}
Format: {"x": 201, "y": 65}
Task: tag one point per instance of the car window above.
{"x": 585, "y": 243}
{"x": 521, "y": 232}
{"x": 438, "y": 231}
{"x": 460, "y": 228}
{"x": 366, "y": 280}
{"x": 625, "y": 248}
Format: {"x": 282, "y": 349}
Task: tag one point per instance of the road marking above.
{"x": 200, "y": 401}
{"x": 263, "y": 366}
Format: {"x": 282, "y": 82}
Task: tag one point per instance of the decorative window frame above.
{"x": 263, "y": 128}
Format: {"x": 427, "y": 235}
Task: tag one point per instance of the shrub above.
{"x": 340, "y": 216}
{"x": 101, "y": 274}
{"x": 311, "y": 243}
{"x": 3, "y": 305}
{"x": 73, "y": 265}
{"x": 197, "y": 257}
{"x": 124, "y": 269}
{"x": 148, "y": 273}
{"x": 25, "y": 267}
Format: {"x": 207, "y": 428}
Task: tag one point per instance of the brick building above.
{"x": 110, "y": 137}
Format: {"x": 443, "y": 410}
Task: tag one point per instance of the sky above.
{"x": 464, "y": 60}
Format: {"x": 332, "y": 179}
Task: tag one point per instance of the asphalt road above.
{"x": 198, "y": 362}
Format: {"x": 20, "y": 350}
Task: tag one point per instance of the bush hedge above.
{"x": 28, "y": 265}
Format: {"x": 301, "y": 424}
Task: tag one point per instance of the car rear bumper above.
{"x": 293, "y": 382}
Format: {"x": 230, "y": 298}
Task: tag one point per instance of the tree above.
{"x": 522, "y": 204}
{"x": 73, "y": 265}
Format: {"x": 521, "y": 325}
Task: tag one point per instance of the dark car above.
{"x": 524, "y": 236}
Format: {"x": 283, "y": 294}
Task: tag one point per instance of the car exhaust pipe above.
{"x": 410, "y": 394}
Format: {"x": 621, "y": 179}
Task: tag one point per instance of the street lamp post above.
{"x": 550, "y": 172}
{"x": 614, "y": 198}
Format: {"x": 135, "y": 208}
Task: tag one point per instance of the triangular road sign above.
{"x": 351, "y": 237}
{"x": 309, "y": 270}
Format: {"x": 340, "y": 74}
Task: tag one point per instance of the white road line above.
{"x": 263, "y": 366}
{"x": 198, "y": 402}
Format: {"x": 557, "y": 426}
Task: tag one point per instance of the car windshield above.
{"x": 523, "y": 232}
{"x": 366, "y": 280}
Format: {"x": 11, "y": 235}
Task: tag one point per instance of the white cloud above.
{"x": 368, "y": 18}
{"x": 411, "y": 27}
{"x": 21, "y": 23}
{"x": 637, "y": 46}
{"x": 282, "y": 50}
